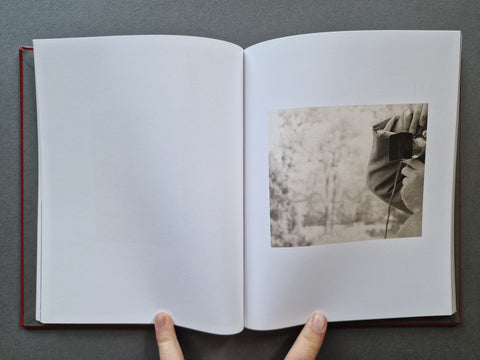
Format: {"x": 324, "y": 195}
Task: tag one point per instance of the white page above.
{"x": 142, "y": 180}
{"x": 353, "y": 280}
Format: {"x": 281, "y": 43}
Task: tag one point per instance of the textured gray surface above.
{"x": 244, "y": 23}
{"x": 30, "y": 186}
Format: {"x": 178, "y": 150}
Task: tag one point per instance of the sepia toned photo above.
{"x": 346, "y": 173}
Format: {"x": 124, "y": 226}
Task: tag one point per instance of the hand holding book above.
{"x": 306, "y": 346}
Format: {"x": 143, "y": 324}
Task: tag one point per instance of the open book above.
{"x": 241, "y": 188}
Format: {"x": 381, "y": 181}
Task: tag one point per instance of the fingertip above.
{"x": 168, "y": 346}
{"x": 318, "y": 322}
{"x": 310, "y": 339}
{"x": 161, "y": 320}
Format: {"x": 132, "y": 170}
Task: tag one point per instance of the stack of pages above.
{"x": 246, "y": 188}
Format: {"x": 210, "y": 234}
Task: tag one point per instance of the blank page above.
{"x": 141, "y": 198}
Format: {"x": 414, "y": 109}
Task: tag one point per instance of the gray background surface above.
{"x": 244, "y": 23}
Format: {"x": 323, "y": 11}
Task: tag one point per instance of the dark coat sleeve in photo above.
{"x": 381, "y": 172}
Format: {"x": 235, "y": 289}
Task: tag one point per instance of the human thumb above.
{"x": 310, "y": 339}
{"x": 168, "y": 346}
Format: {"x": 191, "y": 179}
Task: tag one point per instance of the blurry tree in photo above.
{"x": 317, "y": 168}
{"x": 284, "y": 224}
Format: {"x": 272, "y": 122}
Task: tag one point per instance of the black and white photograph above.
{"x": 346, "y": 173}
